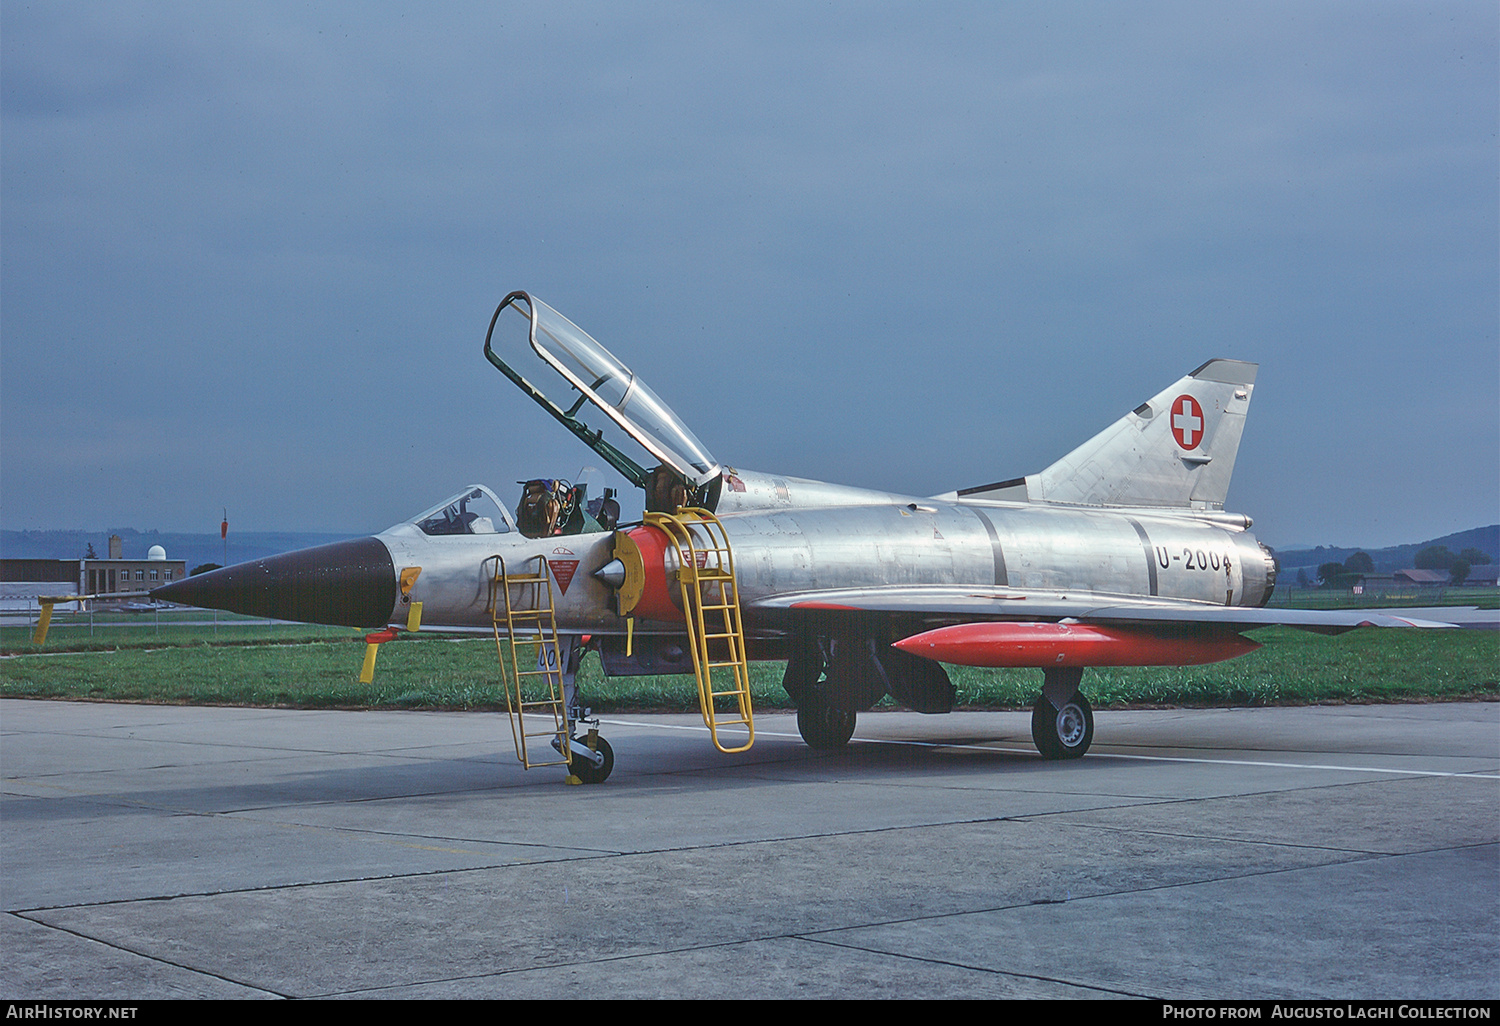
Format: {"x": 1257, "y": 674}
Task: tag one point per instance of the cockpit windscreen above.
{"x": 475, "y": 510}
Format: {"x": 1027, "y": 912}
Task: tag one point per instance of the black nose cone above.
{"x": 346, "y": 584}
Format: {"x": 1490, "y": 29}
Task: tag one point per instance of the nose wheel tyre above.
{"x": 586, "y": 771}
{"x": 1064, "y": 733}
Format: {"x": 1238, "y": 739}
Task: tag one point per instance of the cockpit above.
{"x": 548, "y": 507}
{"x": 551, "y": 506}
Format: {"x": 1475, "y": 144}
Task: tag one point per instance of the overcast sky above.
{"x": 248, "y": 251}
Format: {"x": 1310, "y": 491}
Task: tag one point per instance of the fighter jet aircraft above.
{"x": 1119, "y": 554}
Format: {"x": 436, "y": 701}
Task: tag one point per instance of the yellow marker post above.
{"x": 43, "y": 622}
{"x": 367, "y": 674}
{"x": 372, "y": 645}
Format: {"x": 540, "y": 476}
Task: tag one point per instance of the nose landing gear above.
{"x": 592, "y": 758}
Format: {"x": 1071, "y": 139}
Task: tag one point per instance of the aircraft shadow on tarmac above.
{"x": 492, "y": 774}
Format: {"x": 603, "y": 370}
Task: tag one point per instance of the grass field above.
{"x": 1339, "y": 598}
{"x": 315, "y": 667}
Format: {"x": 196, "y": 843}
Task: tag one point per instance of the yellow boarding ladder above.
{"x": 532, "y": 622}
{"x": 711, "y": 602}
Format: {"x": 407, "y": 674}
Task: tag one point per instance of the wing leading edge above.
{"x": 979, "y": 603}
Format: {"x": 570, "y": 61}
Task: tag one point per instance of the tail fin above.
{"x": 1176, "y": 449}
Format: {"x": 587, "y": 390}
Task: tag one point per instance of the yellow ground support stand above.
{"x": 716, "y": 634}
{"x": 44, "y": 618}
{"x": 522, "y": 602}
{"x": 43, "y": 622}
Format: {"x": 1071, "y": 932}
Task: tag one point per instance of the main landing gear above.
{"x": 1062, "y": 721}
{"x": 824, "y": 723}
{"x": 823, "y": 727}
{"x": 831, "y": 677}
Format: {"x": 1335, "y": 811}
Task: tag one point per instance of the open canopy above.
{"x": 603, "y": 381}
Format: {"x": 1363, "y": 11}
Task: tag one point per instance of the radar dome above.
{"x": 156, "y": 552}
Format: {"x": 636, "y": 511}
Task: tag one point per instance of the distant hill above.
{"x": 1397, "y": 557}
{"x": 194, "y": 549}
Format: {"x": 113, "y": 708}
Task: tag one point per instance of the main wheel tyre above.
{"x": 586, "y": 771}
{"x": 824, "y": 727}
{"x": 1064, "y": 733}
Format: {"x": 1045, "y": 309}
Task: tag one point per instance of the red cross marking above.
{"x": 1187, "y": 421}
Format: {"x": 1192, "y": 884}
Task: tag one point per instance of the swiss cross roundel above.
{"x": 1187, "y": 421}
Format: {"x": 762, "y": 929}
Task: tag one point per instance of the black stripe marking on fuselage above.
{"x": 1002, "y": 579}
{"x": 1146, "y": 546}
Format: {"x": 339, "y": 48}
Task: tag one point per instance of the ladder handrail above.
{"x": 695, "y": 577}
{"x": 545, "y": 622}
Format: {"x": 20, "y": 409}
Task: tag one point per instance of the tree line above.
{"x": 1434, "y": 557}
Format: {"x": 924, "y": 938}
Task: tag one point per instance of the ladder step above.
{"x": 713, "y": 622}
{"x": 523, "y": 605}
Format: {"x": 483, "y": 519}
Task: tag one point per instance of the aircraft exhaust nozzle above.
{"x": 346, "y": 584}
{"x": 1049, "y": 645}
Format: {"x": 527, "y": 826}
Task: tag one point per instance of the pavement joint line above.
{"x": 26, "y": 913}
{"x": 975, "y": 968}
{"x": 144, "y": 955}
{"x": 1146, "y": 801}
{"x": 715, "y": 846}
{"x": 811, "y": 937}
{"x": 1473, "y": 775}
{"x": 516, "y": 970}
{"x": 387, "y": 837}
{"x": 665, "y": 952}
{"x": 512, "y": 863}
{"x": 572, "y": 854}
{"x": 1134, "y": 891}
{"x": 1360, "y": 854}
{"x": 272, "y": 888}
{"x": 504, "y": 865}
{"x": 120, "y": 801}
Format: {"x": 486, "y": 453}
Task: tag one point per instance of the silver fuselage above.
{"x": 790, "y": 536}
